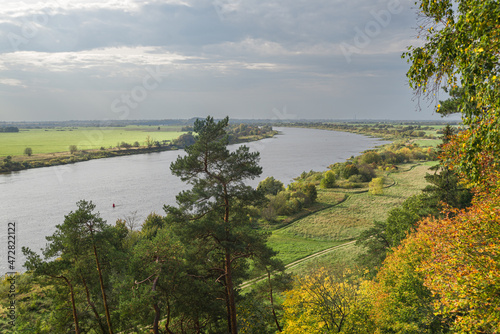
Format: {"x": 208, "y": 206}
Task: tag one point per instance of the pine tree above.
{"x": 213, "y": 214}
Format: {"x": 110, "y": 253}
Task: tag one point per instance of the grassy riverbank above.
{"x": 425, "y": 134}
{"x": 344, "y": 220}
{"x": 57, "y": 140}
{"x": 63, "y": 145}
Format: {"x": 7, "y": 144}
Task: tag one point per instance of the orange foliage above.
{"x": 463, "y": 269}
{"x": 400, "y": 303}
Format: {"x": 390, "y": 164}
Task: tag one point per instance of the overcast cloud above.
{"x": 126, "y": 59}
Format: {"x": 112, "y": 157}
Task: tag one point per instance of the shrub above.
{"x": 370, "y": 157}
{"x": 73, "y": 149}
{"x": 357, "y": 178}
{"x": 328, "y": 180}
{"x": 389, "y": 157}
{"x": 366, "y": 172}
{"x": 279, "y": 203}
{"x": 376, "y": 186}
{"x": 310, "y": 191}
{"x": 290, "y": 201}
{"x": 309, "y": 176}
{"x": 349, "y": 170}
{"x": 345, "y": 184}
{"x": 184, "y": 140}
{"x": 270, "y": 186}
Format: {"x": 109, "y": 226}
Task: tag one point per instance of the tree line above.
{"x": 9, "y": 129}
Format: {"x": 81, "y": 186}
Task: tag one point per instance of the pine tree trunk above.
{"x": 157, "y": 310}
{"x": 73, "y": 305}
{"x": 108, "y": 317}
{"x": 92, "y": 305}
{"x": 233, "y": 325}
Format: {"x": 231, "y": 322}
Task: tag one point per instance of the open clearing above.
{"x": 43, "y": 141}
{"x": 344, "y": 221}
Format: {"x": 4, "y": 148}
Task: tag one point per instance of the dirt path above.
{"x": 296, "y": 263}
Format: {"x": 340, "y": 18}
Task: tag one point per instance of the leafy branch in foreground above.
{"x": 461, "y": 52}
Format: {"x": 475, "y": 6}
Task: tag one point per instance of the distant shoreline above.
{"x": 19, "y": 163}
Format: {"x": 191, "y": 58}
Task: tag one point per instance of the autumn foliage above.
{"x": 463, "y": 268}
{"x": 319, "y": 303}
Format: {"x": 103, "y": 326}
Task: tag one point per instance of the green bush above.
{"x": 348, "y": 171}
{"x": 376, "y": 186}
{"x": 366, "y": 172}
{"x": 270, "y": 186}
{"x": 357, "y": 178}
{"x": 370, "y": 157}
{"x": 328, "y": 180}
{"x": 73, "y": 149}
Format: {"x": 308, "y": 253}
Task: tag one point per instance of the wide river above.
{"x": 36, "y": 200}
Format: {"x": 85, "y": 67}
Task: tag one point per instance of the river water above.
{"x": 36, "y": 200}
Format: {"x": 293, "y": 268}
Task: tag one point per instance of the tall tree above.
{"x": 158, "y": 263}
{"x": 214, "y": 211}
{"x": 461, "y": 43}
{"x": 57, "y": 270}
{"x": 76, "y": 247}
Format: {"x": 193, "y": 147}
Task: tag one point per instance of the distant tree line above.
{"x": 9, "y": 129}
{"x": 384, "y": 130}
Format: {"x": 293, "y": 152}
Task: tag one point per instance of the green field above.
{"x": 346, "y": 220}
{"x": 428, "y": 142}
{"x": 43, "y": 141}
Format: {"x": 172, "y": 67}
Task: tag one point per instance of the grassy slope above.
{"x": 44, "y": 141}
{"x": 346, "y": 220}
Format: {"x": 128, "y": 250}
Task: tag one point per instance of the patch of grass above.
{"x": 326, "y": 198}
{"x": 292, "y": 248}
{"x": 343, "y": 257}
{"x": 410, "y": 182}
{"x": 348, "y": 219}
{"x": 428, "y": 142}
{"x": 44, "y": 141}
{"x": 329, "y": 196}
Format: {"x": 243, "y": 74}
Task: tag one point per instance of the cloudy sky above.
{"x": 131, "y": 59}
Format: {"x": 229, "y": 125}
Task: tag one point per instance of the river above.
{"x": 36, "y": 200}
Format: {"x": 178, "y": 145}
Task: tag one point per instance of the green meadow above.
{"x": 343, "y": 221}
{"x": 53, "y": 140}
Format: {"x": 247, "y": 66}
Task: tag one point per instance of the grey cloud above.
{"x": 238, "y": 57}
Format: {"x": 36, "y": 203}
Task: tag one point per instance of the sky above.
{"x": 170, "y": 59}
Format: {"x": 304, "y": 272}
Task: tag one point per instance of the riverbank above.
{"x": 23, "y": 162}
{"x": 425, "y": 134}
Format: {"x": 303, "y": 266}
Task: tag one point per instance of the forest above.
{"x": 431, "y": 266}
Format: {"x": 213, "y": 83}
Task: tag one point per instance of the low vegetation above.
{"x": 424, "y": 133}
{"x": 64, "y": 145}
